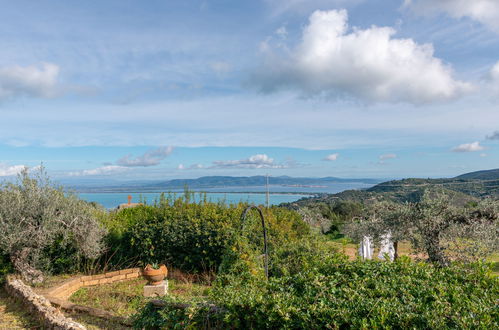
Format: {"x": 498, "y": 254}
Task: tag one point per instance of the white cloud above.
{"x": 368, "y": 64}
{"x": 196, "y": 166}
{"x": 469, "y": 147}
{"x": 332, "y": 157}
{"x": 483, "y": 11}
{"x": 253, "y": 162}
{"x": 31, "y": 81}
{"x": 150, "y": 158}
{"x": 387, "y": 156}
{"x": 191, "y": 167}
{"x": 493, "y": 79}
{"x": 6, "y": 170}
{"x": 104, "y": 170}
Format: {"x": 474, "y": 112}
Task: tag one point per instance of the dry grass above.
{"x": 13, "y": 315}
{"x": 125, "y": 298}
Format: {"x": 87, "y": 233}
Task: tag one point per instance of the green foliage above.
{"x": 43, "y": 227}
{"x": 192, "y": 236}
{"x": 332, "y": 292}
{"x": 5, "y": 267}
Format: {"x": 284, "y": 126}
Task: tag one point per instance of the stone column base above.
{"x": 156, "y": 290}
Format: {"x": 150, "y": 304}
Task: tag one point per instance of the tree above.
{"x": 436, "y": 226}
{"x": 34, "y": 213}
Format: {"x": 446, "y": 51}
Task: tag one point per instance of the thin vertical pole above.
{"x": 265, "y": 248}
{"x": 268, "y": 192}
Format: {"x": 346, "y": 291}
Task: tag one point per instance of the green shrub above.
{"x": 192, "y": 236}
{"x": 332, "y": 292}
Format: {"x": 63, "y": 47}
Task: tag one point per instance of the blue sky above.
{"x": 175, "y": 89}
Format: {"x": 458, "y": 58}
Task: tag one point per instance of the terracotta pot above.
{"x": 155, "y": 276}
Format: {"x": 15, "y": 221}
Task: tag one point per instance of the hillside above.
{"x": 466, "y": 187}
{"x": 480, "y": 175}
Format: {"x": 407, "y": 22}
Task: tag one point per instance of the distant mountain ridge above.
{"x": 219, "y": 182}
{"x": 247, "y": 181}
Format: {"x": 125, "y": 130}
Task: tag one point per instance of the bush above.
{"x": 332, "y": 292}
{"x": 191, "y": 236}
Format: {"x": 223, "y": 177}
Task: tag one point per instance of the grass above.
{"x": 13, "y": 315}
{"x": 125, "y": 298}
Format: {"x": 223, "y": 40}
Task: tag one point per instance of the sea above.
{"x": 229, "y": 195}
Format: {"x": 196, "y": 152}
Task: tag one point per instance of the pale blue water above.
{"x": 112, "y": 200}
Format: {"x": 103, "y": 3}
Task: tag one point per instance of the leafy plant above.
{"x": 328, "y": 291}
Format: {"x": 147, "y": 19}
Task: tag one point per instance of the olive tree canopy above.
{"x": 435, "y": 226}
{"x": 33, "y": 213}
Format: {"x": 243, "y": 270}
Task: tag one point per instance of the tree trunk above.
{"x": 435, "y": 252}
{"x": 20, "y": 261}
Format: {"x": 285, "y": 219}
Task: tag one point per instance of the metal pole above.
{"x": 265, "y": 252}
{"x": 268, "y": 193}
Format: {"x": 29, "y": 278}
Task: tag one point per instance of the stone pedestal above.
{"x": 156, "y": 290}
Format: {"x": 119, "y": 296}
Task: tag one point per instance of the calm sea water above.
{"x": 112, "y": 200}
{"x": 254, "y": 194}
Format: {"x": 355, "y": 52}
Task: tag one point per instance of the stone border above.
{"x": 66, "y": 289}
{"x": 40, "y": 307}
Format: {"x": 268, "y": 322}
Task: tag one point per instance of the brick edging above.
{"x": 65, "y": 290}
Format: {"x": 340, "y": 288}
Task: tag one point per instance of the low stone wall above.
{"x": 40, "y": 307}
{"x": 65, "y": 290}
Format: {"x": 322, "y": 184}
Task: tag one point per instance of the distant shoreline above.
{"x": 198, "y": 192}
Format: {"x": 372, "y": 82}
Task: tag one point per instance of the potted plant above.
{"x": 155, "y": 273}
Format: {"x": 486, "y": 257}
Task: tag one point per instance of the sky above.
{"x": 163, "y": 89}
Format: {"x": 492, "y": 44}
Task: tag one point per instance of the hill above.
{"x": 480, "y": 175}
{"x": 463, "y": 188}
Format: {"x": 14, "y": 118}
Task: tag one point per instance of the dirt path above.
{"x": 13, "y": 315}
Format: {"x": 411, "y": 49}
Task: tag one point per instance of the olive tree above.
{"x": 435, "y": 226}
{"x": 34, "y": 213}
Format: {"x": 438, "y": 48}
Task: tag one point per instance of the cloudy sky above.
{"x": 166, "y": 89}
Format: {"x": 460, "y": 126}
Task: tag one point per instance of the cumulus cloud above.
{"x": 30, "y": 81}
{"x": 103, "y": 170}
{"x": 150, "y": 158}
{"x": 387, "y": 156}
{"x": 332, "y": 157}
{"x": 483, "y": 11}
{"x": 468, "y": 147}
{"x": 253, "y": 162}
{"x": 6, "y": 170}
{"x": 370, "y": 64}
{"x": 493, "y": 136}
{"x": 191, "y": 167}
